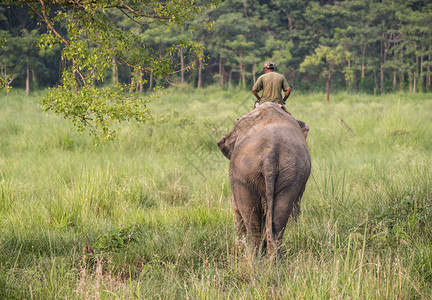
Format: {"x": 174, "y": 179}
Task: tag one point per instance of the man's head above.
{"x": 269, "y": 66}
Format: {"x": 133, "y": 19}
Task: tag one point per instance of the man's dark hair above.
{"x": 269, "y": 65}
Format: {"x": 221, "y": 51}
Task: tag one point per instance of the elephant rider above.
{"x": 271, "y": 83}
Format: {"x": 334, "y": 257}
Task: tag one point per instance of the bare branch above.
{"x": 135, "y": 12}
{"x": 133, "y": 20}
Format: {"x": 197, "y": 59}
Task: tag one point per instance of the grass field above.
{"x": 149, "y": 215}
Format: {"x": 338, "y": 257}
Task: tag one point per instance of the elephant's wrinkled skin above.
{"x": 268, "y": 170}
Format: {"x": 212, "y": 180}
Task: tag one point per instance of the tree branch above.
{"x": 51, "y": 27}
{"x": 135, "y": 12}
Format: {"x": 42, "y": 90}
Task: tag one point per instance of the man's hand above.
{"x": 256, "y": 104}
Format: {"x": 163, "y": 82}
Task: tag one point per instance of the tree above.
{"x": 90, "y": 41}
{"x": 326, "y": 61}
{"x": 230, "y": 43}
{"x": 240, "y": 46}
{"x": 8, "y": 61}
{"x": 390, "y": 43}
{"x": 416, "y": 38}
{"x": 357, "y": 37}
{"x": 387, "y": 25}
{"x": 280, "y": 53}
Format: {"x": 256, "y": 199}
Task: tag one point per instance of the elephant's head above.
{"x": 227, "y": 143}
{"x": 224, "y": 147}
{"x": 242, "y": 126}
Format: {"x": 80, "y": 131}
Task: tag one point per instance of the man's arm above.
{"x": 254, "y": 91}
{"x": 287, "y": 93}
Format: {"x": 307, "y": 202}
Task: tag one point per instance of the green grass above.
{"x": 155, "y": 205}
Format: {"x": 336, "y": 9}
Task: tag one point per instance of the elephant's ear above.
{"x": 224, "y": 147}
{"x": 304, "y": 127}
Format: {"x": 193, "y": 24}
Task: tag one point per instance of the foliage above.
{"x": 389, "y": 42}
{"x": 90, "y": 39}
{"x": 327, "y": 61}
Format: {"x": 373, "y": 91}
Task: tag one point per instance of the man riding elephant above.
{"x": 271, "y": 83}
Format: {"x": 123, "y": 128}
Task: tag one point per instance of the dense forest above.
{"x": 360, "y": 45}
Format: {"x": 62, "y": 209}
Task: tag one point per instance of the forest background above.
{"x": 360, "y": 45}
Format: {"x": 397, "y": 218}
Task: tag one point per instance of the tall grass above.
{"x": 149, "y": 215}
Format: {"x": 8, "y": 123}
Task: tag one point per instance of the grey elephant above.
{"x": 269, "y": 167}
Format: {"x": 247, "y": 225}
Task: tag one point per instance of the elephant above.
{"x": 268, "y": 170}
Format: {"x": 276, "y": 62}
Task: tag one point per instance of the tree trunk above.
{"x": 27, "y": 76}
{"x": 200, "y": 65}
{"x": 221, "y": 72}
{"x": 151, "y": 81}
{"x": 416, "y": 73}
{"x": 375, "y": 79}
{"x": 229, "y": 79}
{"x": 384, "y": 52}
{"x": 328, "y": 87}
{"x": 419, "y": 75}
{"x": 422, "y": 81}
{"x": 253, "y": 72}
{"x": 363, "y": 51}
{"x": 401, "y": 80}
{"x": 382, "y": 67}
{"x": 132, "y": 84}
{"x": 243, "y": 76}
{"x": 414, "y": 81}
{"x": 115, "y": 73}
{"x": 290, "y": 25}
{"x": 182, "y": 66}
{"x": 200, "y": 73}
{"x": 242, "y": 73}
{"x": 421, "y": 65}
{"x": 410, "y": 81}
{"x": 3, "y": 75}
{"x": 414, "y": 85}
{"x": 355, "y": 82}
{"x": 347, "y": 82}
{"x": 428, "y": 76}
{"x": 401, "y": 73}
{"x": 394, "y": 73}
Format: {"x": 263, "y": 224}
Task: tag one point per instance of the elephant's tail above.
{"x": 270, "y": 187}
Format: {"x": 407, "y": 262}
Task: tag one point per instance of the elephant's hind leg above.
{"x": 285, "y": 203}
{"x": 248, "y": 213}
{"x": 241, "y": 228}
{"x": 296, "y": 207}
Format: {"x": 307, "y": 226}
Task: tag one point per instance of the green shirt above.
{"x": 271, "y": 84}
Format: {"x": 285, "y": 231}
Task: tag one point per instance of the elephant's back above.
{"x": 282, "y": 140}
